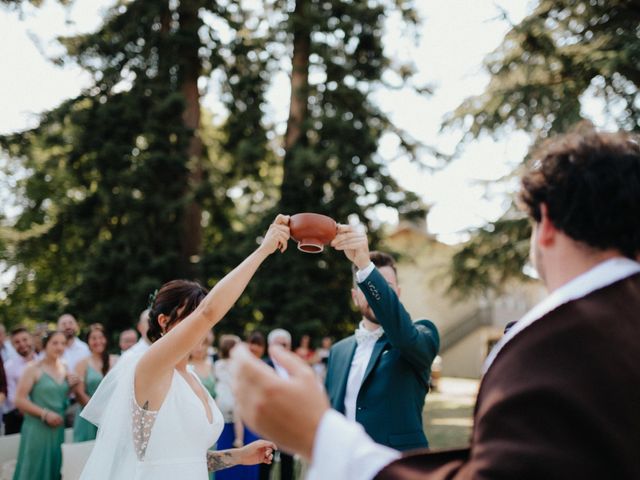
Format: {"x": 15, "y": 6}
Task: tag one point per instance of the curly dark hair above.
{"x": 590, "y": 184}
{"x": 175, "y": 299}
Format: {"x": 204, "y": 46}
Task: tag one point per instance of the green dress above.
{"x": 40, "y": 455}
{"x": 83, "y": 430}
{"x": 209, "y": 382}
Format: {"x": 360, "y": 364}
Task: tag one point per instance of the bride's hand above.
{"x": 277, "y": 236}
{"x": 260, "y": 451}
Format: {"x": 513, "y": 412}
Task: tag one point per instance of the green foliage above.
{"x": 107, "y": 177}
{"x": 495, "y": 255}
{"x": 563, "y": 52}
{"x": 547, "y": 62}
{"x": 111, "y": 174}
{"x": 333, "y": 167}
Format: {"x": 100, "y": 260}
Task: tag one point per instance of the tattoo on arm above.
{"x": 219, "y": 460}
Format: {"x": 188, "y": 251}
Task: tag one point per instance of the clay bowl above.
{"x": 312, "y": 231}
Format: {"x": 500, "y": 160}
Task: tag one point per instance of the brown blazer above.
{"x": 561, "y": 400}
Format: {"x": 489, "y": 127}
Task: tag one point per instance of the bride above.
{"x": 156, "y": 421}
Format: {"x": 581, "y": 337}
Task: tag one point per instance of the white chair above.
{"x": 9, "y": 445}
{"x": 7, "y": 468}
{"x": 74, "y": 456}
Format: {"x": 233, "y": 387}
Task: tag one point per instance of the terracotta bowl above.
{"x": 312, "y": 231}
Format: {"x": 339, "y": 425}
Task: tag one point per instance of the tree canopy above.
{"x": 562, "y": 56}
{"x": 132, "y": 183}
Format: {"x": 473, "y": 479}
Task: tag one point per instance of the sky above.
{"x": 454, "y": 38}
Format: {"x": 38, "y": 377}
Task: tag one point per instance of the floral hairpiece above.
{"x": 152, "y": 298}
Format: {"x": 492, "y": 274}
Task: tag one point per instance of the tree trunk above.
{"x": 299, "y": 76}
{"x": 190, "y": 72}
{"x": 298, "y": 108}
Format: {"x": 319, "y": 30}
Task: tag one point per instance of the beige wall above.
{"x": 465, "y": 358}
{"x": 422, "y": 273}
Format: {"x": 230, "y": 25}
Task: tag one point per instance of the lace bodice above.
{"x": 142, "y": 423}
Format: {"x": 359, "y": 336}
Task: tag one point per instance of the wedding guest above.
{"x": 234, "y": 433}
{"x": 6, "y": 349}
{"x": 22, "y": 342}
{"x": 143, "y": 327}
{"x": 37, "y": 334}
{"x": 76, "y": 349}
{"x": 3, "y": 386}
{"x": 257, "y": 344}
{"x": 203, "y": 366}
{"x": 279, "y": 337}
{"x": 304, "y": 349}
{"x": 91, "y": 371}
{"x": 322, "y": 357}
{"x": 127, "y": 339}
{"x": 42, "y": 397}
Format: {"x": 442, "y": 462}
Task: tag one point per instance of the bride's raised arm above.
{"x": 155, "y": 368}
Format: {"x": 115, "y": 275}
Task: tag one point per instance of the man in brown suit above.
{"x": 560, "y": 397}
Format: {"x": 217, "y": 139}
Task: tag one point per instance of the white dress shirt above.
{"x": 343, "y": 451}
{"x": 7, "y": 351}
{"x": 13, "y": 370}
{"x": 75, "y": 352}
{"x": 358, "y": 367}
{"x": 361, "y": 357}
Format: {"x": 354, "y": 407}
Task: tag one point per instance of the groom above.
{"x": 388, "y": 353}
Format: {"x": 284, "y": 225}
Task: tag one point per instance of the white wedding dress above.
{"x": 133, "y": 443}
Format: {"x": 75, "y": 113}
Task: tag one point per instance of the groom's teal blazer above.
{"x": 396, "y": 381}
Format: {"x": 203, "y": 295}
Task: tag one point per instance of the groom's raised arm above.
{"x": 418, "y": 342}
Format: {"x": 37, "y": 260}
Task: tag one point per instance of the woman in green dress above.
{"x": 91, "y": 371}
{"x": 202, "y": 364}
{"x": 42, "y": 396}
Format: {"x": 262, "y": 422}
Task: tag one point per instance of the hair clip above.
{"x": 152, "y": 298}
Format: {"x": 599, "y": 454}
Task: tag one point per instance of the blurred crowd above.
{"x": 48, "y": 375}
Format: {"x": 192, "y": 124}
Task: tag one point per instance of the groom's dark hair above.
{"x": 379, "y": 259}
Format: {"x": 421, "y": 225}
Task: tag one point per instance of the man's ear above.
{"x": 547, "y": 231}
{"x": 353, "y": 296}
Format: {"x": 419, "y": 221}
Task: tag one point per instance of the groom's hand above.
{"x": 286, "y": 411}
{"x": 353, "y": 242}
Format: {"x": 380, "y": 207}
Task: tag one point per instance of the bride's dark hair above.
{"x": 175, "y": 299}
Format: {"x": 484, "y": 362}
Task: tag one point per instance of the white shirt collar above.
{"x": 376, "y": 331}
{"x": 600, "y": 276}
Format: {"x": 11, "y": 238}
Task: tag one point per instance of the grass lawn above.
{"x": 448, "y": 413}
